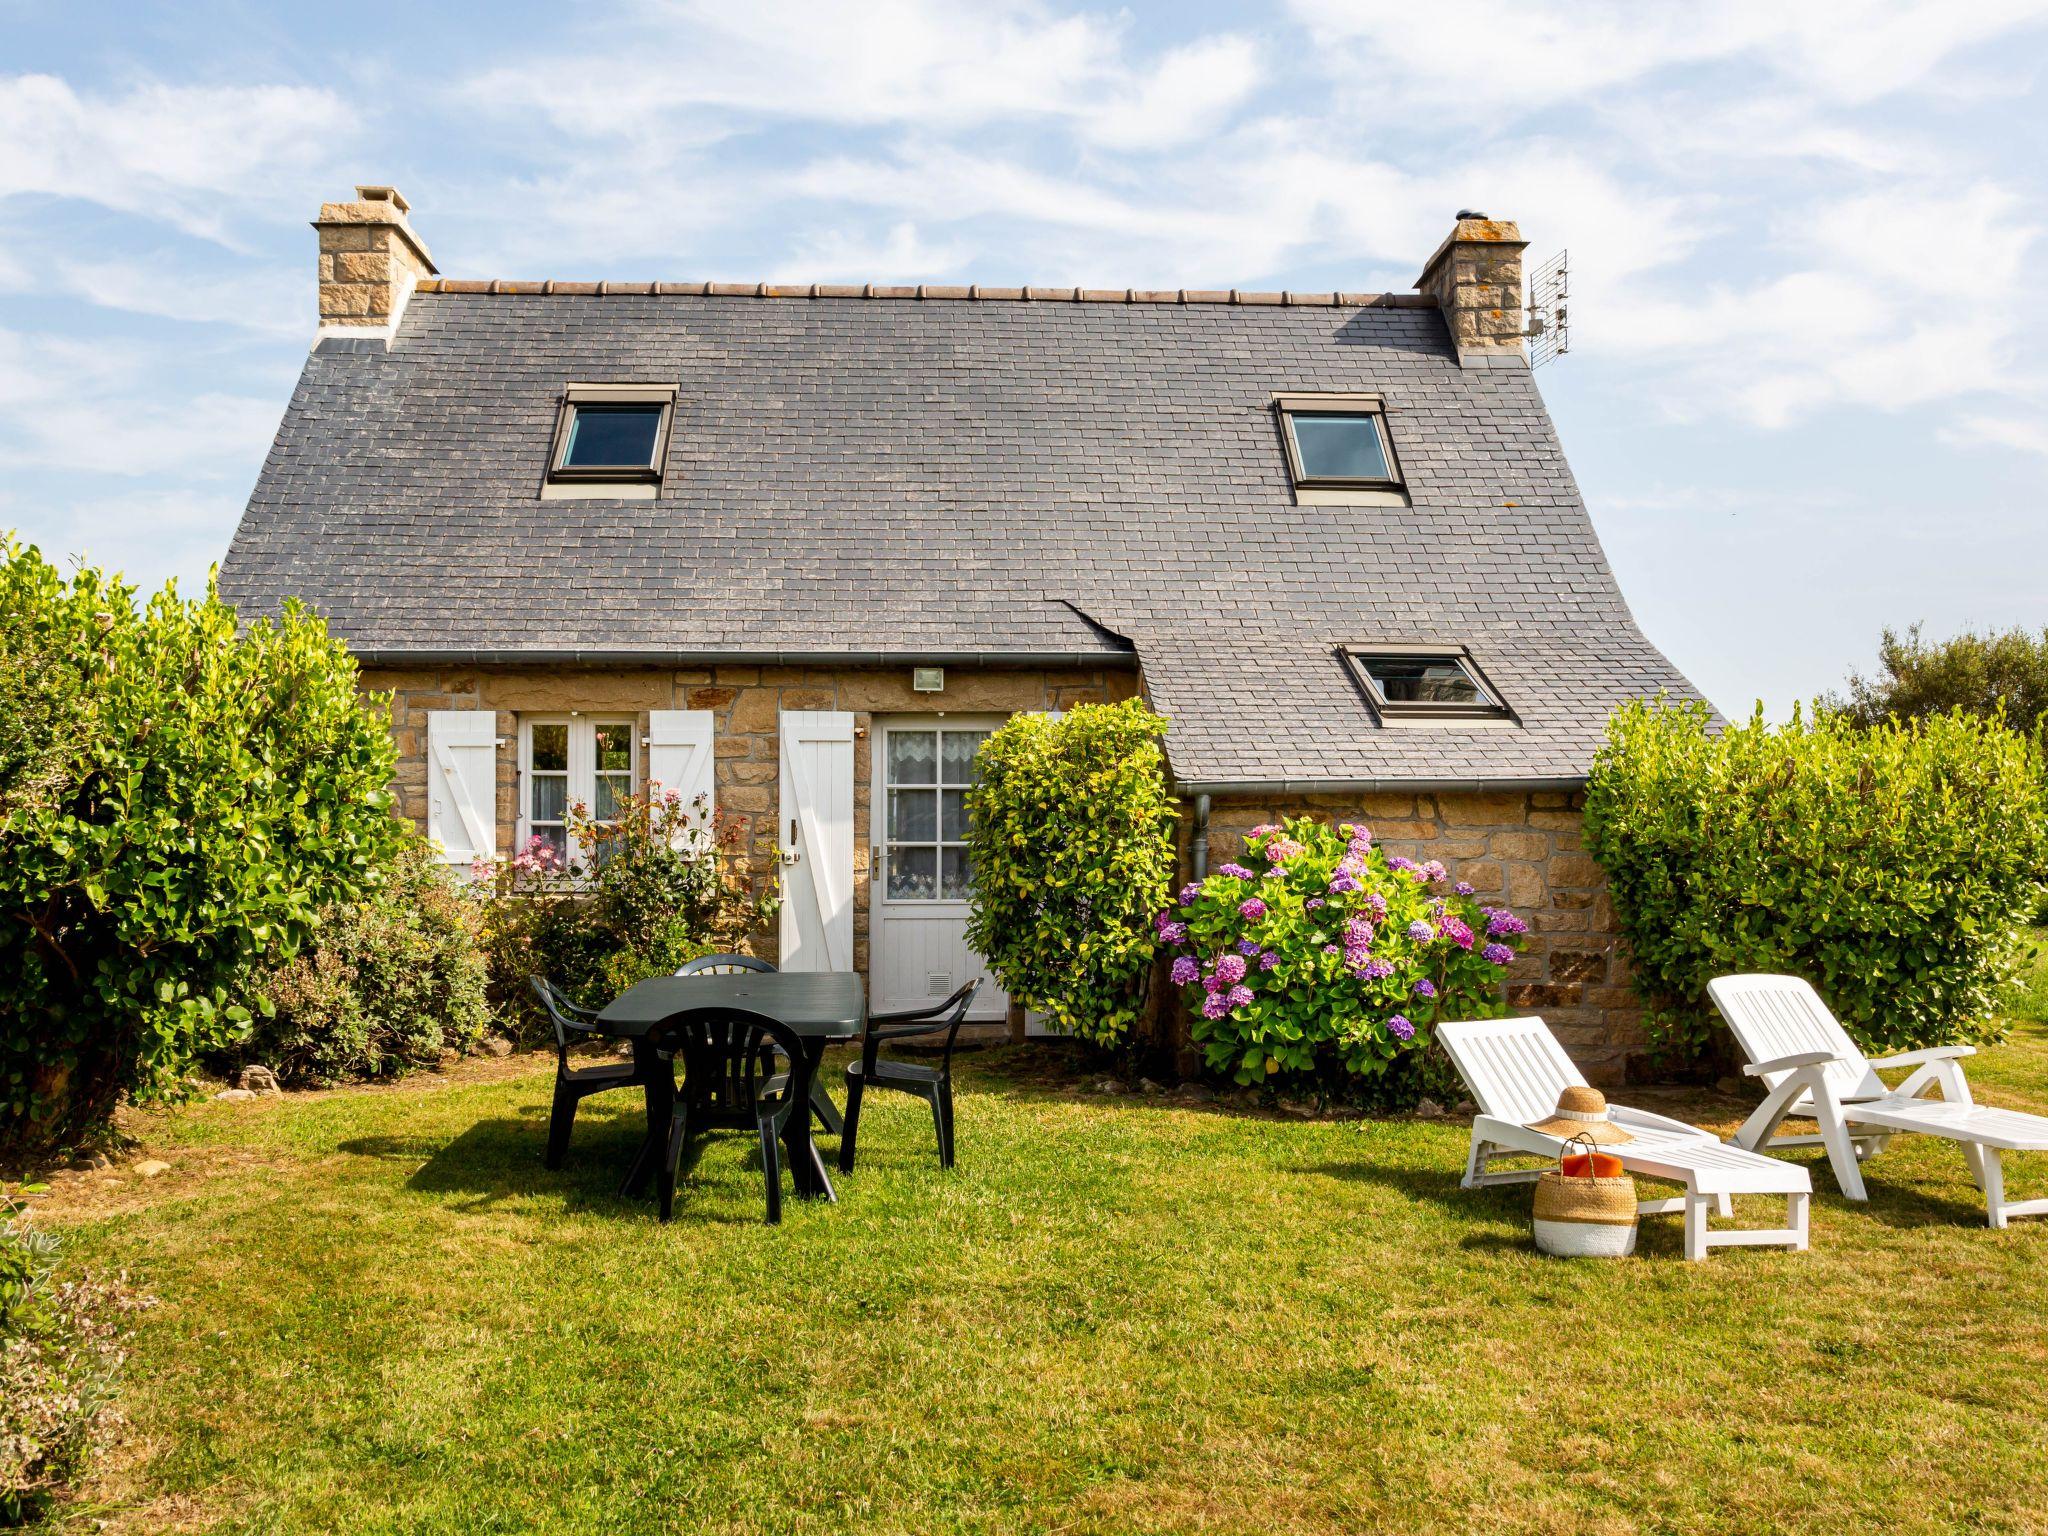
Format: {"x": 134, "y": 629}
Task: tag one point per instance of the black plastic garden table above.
{"x": 819, "y": 1006}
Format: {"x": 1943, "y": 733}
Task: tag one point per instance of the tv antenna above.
{"x": 1550, "y": 327}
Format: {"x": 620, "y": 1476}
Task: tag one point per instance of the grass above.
{"x": 380, "y": 1314}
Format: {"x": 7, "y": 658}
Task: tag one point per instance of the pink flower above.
{"x": 1251, "y": 911}
{"x": 1230, "y": 968}
{"x": 1239, "y": 996}
{"x": 1214, "y": 1006}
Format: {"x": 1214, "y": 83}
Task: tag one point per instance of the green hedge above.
{"x": 1892, "y": 866}
{"x": 1071, "y": 838}
{"x": 200, "y": 792}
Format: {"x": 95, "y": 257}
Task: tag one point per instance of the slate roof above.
{"x": 948, "y": 478}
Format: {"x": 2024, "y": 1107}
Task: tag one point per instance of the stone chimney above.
{"x": 369, "y": 262}
{"x": 1475, "y": 277}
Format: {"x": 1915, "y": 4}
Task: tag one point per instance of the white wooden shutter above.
{"x": 816, "y": 834}
{"x": 679, "y": 758}
{"x": 462, "y": 783}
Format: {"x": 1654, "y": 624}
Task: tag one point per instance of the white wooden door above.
{"x": 816, "y": 835}
{"x": 917, "y": 915}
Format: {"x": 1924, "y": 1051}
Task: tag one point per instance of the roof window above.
{"x": 612, "y": 434}
{"x": 1414, "y": 683}
{"x": 1338, "y": 442}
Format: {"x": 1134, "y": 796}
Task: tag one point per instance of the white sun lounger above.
{"x": 1816, "y": 1072}
{"x": 1515, "y": 1070}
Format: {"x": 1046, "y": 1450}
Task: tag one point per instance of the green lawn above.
{"x": 380, "y": 1314}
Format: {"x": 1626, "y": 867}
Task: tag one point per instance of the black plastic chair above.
{"x": 730, "y": 1082}
{"x": 739, "y": 965}
{"x": 932, "y": 1084}
{"x": 723, "y": 965}
{"x": 575, "y": 1084}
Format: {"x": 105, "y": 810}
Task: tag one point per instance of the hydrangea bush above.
{"x": 1321, "y": 949}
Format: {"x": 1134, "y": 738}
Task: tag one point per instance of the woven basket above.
{"x": 1585, "y": 1218}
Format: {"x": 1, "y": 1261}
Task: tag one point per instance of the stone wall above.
{"x": 1518, "y": 850}
{"x": 745, "y": 701}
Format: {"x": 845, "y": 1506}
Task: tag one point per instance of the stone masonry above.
{"x": 1475, "y": 277}
{"x": 370, "y": 259}
{"x": 745, "y": 701}
{"x": 1518, "y": 850}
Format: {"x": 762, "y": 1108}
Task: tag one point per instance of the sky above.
{"x": 1809, "y": 350}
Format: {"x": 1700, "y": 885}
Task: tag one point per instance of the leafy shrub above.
{"x": 387, "y": 984}
{"x": 1070, "y": 837}
{"x": 1890, "y": 866}
{"x": 657, "y": 888}
{"x": 60, "y": 1357}
{"x": 1322, "y": 957}
{"x": 212, "y": 791}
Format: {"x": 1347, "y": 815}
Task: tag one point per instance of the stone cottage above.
{"x": 799, "y": 548}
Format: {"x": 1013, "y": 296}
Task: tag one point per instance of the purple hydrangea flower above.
{"x": 1374, "y": 970}
{"x": 1420, "y": 931}
{"x": 1501, "y": 923}
{"x": 1312, "y": 904}
{"x": 1331, "y": 949}
{"x": 1425, "y": 988}
{"x": 1433, "y": 871}
{"x": 1268, "y": 960}
{"x": 1340, "y": 883}
{"x": 1376, "y": 904}
{"x": 1247, "y": 947}
{"x": 1397, "y": 862}
{"x": 1499, "y": 954}
{"x": 1185, "y": 971}
{"x": 1214, "y": 983}
{"x": 1399, "y": 1027}
{"x": 1239, "y": 996}
{"x": 1236, "y": 871}
{"x": 1188, "y": 893}
{"x": 1357, "y": 932}
{"x": 1173, "y": 933}
{"x": 1251, "y": 910}
{"x": 1214, "y": 1006}
{"x": 1230, "y": 968}
{"x": 1464, "y": 888}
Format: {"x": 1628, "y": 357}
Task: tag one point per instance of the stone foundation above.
{"x": 1517, "y": 850}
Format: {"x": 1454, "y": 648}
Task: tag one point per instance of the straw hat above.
{"x": 1582, "y": 1112}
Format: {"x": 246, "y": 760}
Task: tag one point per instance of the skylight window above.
{"x": 1338, "y": 442}
{"x": 1425, "y": 684}
{"x": 612, "y": 433}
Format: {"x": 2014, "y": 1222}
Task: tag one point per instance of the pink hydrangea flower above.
{"x": 1251, "y": 910}
{"x": 1230, "y": 968}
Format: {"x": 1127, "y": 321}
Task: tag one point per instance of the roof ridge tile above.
{"x": 971, "y": 292}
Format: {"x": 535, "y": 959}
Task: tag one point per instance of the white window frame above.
{"x": 879, "y": 842}
{"x": 582, "y": 772}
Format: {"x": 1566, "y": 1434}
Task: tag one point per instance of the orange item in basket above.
{"x": 1605, "y": 1165}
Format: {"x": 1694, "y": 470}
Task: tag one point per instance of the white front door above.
{"x": 816, "y": 834}
{"x": 918, "y": 951}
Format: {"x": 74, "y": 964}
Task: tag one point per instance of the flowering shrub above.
{"x": 1892, "y": 866}
{"x": 61, "y": 1351}
{"x": 1320, "y": 949}
{"x": 655, "y": 887}
{"x": 1071, "y": 838}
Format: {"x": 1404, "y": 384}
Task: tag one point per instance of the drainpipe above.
{"x": 1200, "y": 837}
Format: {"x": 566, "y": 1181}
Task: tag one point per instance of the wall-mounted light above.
{"x": 928, "y": 679}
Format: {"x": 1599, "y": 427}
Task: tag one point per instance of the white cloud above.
{"x": 839, "y": 256}
{"x": 86, "y": 407}
{"x": 1513, "y": 56}
{"x": 186, "y": 155}
{"x": 2022, "y": 434}
{"x": 1189, "y": 93}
